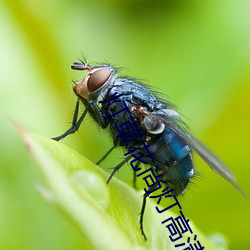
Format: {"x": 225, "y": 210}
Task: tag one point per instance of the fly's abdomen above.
{"x": 175, "y": 158}
{"x": 180, "y": 163}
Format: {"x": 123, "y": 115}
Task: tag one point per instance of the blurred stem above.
{"x": 39, "y": 38}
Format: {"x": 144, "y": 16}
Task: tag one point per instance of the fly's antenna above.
{"x": 80, "y": 66}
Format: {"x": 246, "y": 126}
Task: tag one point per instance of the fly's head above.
{"x": 96, "y": 79}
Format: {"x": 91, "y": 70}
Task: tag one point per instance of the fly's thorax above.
{"x": 94, "y": 84}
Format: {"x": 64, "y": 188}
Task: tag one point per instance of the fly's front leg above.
{"x": 75, "y": 124}
{"x": 98, "y": 115}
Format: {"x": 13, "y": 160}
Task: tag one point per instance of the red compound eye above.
{"x": 97, "y": 79}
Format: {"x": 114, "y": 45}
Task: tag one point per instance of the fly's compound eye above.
{"x": 97, "y": 79}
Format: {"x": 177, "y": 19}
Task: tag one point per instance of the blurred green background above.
{"x": 195, "y": 52}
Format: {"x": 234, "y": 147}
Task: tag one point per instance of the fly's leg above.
{"x": 118, "y": 167}
{"x": 134, "y": 174}
{"x": 98, "y": 114}
{"x": 134, "y": 180}
{"x": 75, "y": 124}
{"x": 105, "y": 155}
{"x": 145, "y": 196}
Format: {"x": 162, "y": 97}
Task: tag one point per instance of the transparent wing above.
{"x": 175, "y": 124}
{"x": 212, "y": 160}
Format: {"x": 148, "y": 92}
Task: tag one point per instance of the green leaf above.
{"x": 106, "y": 215}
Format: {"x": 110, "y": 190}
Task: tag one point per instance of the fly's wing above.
{"x": 212, "y": 160}
{"x": 173, "y": 122}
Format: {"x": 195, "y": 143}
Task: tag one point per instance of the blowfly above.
{"x": 104, "y": 94}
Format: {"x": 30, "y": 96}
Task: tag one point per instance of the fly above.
{"x": 102, "y": 93}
